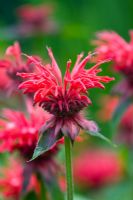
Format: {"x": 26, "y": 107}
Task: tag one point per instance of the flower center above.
{"x": 65, "y": 106}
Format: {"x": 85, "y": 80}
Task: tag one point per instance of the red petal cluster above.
{"x": 97, "y": 167}
{"x": 12, "y": 64}
{"x": 111, "y": 45}
{"x": 35, "y": 19}
{"x": 18, "y": 132}
{"x": 34, "y": 14}
{"x": 10, "y": 182}
{"x": 63, "y": 96}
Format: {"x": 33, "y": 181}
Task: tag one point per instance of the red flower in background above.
{"x": 64, "y": 98}
{"x": 34, "y": 19}
{"x": 111, "y": 45}
{"x": 19, "y": 132}
{"x": 12, "y": 64}
{"x": 98, "y": 167}
{"x": 11, "y": 180}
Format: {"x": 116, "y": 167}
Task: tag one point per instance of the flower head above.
{"x": 64, "y": 98}
{"x": 20, "y": 132}
{"x": 111, "y": 45}
{"x": 97, "y": 167}
{"x": 34, "y": 19}
{"x": 10, "y": 182}
{"x": 12, "y": 64}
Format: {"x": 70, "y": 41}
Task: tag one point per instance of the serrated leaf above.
{"x": 47, "y": 139}
{"x": 97, "y": 134}
{"x": 124, "y": 104}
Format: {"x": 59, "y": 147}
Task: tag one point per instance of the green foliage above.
{"x": 122, "y": 191}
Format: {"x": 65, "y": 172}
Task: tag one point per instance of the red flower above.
{"x": 34, "y": 19}
{"x": 64, "y": 98}
{"x": 111, "y": 45}
{"x": 11, "y": 180}
{"x": 97, "y": 167}
{"x": 12, "y": 64}
{"x": 18, "y": 132}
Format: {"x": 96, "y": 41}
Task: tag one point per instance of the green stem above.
{"x": 69, "y": 176}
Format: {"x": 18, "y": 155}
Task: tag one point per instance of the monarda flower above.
{"x": 111, "y": 45}
{"x": 64, "y": 98}
{"x": 96, "y": 168}
{"x": 35, "y": 19}
{"x": 11, "y": 64}
{"x": 11, "y": 180}
{"x": 19, "y": 133}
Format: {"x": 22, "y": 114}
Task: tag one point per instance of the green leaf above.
{"x": 97, "y": 134}
{"x": 31, "y": 196}
{"x": 124, "y": 104}
{"x": 45, "y": 142}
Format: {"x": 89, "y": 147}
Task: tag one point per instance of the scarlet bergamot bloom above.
{"x": 111, "y": 45}
{"x": 64, "y": 98}
{"x": 11, "y": 64}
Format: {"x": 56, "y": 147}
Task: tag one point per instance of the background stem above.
{"x": 69, "y": 176}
